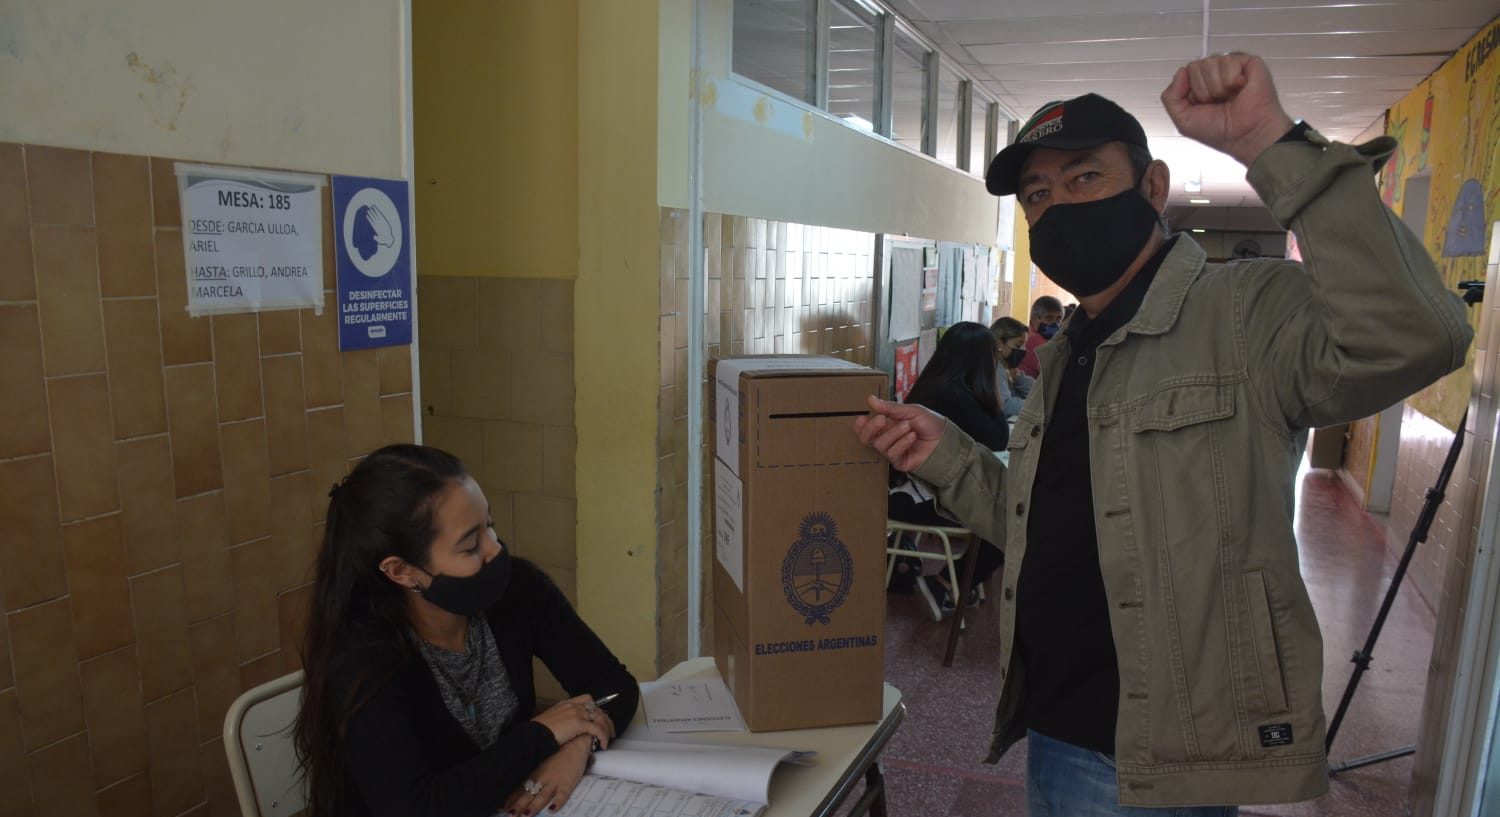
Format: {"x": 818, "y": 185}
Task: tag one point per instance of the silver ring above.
{"x": 590, "y": 708}
{"x": 532, "y": 787}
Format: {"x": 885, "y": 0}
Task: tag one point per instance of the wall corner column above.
{"x": 616, "y": 305}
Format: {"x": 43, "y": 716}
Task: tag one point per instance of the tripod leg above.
{"x": 1370, "y": 760}
{"x": 1419, "y": 532}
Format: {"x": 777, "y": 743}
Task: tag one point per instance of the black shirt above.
{"x": 1062, "y": 615}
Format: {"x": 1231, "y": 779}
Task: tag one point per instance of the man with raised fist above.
{"x": 1158, "y": 648}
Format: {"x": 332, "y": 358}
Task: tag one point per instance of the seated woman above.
{"x": 419, "y": 696}
{"x": 958, "y": 383}
{"x": 1010, "y": 347}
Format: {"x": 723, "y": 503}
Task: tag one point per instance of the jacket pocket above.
{"x": 1021, "y": 433}
{"x": 1177, "y": 406}
{"x": 1267, "y": 647}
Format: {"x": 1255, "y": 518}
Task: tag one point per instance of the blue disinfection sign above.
{"x": 372, "y": 240}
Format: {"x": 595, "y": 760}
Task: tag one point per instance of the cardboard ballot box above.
{"x": 799, "y": 541}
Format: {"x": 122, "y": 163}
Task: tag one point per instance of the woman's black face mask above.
{"x": 471, "y": 595}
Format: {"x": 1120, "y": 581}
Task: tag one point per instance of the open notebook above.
{"x": 643, "y": 778}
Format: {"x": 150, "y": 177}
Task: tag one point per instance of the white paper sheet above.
{"x": 926, "y": 345}
{"x": 252, "y": 239}
{"x": 729, "y": 532}
{"x": 906, "y": 294}
{"x": 690, "y": 706}
{"x": 735, "y": 772}
{"x": 608, "y": 797}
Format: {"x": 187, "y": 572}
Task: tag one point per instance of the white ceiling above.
{"x": 1339, "y": 65}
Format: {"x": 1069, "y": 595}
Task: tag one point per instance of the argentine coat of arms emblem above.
{"x": 818, "y": 570}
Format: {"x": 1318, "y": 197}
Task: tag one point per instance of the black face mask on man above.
{"x": 1086, "y": 246}
{"x": 471, "y": 595}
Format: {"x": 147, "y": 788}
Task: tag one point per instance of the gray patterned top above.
{"x": 473, "y": 683}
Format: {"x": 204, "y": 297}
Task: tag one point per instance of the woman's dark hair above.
{"x": 965, "y": 355}
{"x": 383, "y": 508}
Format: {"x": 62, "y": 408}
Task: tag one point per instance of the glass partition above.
{"x": 773, "y": 44}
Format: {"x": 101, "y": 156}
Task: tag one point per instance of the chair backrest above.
{"x": 258, "y": 740}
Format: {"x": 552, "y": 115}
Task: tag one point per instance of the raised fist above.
{"x": 1227, "y": 102}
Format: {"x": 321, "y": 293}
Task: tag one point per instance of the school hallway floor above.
{"x": 933, "y": 764}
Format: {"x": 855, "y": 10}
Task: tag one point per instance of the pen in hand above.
{"x": 601, "y": 702}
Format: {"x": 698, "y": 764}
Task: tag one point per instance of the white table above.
{"x": 845, "y": 754}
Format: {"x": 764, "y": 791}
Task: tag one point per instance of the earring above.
{"x": 416, "y": 588}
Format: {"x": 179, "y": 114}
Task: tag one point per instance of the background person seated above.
{"x": 958, "y": 383}
{"x": 1046, "y": 319}
{"x": 1010, "y": 349}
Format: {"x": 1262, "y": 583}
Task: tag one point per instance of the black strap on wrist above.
{"x": 1298, "y": 133}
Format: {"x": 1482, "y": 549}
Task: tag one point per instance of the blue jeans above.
{"x": 1063, "y": 780}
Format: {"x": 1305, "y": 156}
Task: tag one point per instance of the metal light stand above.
{"x": 1473, "y": 293}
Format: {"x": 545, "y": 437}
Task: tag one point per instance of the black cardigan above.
{"x": 407, "y": 755}
{"x": 954, "y": 401}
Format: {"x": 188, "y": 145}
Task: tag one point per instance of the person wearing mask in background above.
{"x": 959, "y": 384}
{"x": 419, "y": 698}
{"x": 1046, "y": 320}
{"x": 1010, "y": 348}
{"x": 1158, "y": 647}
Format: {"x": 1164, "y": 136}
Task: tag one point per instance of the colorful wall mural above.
{"x": 1449, "y": 127}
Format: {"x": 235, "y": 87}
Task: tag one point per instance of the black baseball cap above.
{"x": 1071, "y": 124}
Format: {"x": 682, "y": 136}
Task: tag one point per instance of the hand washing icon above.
{"x": 372, "y": 232}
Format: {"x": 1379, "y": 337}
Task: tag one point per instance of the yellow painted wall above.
{"x": 673, "y": 101}
{"x": 274, "y": 83}
{"x": 1458, "y": 143}
{"x": 496, "y": 108}
{"x": 616, "y": 343}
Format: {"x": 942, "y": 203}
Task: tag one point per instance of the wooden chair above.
{"x": 944, "y": 535}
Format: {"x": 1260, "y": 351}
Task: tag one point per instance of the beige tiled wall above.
{"x": 1424, "y": 445}
{"x": 497, "y": 390}
{"x": 162, "y": 482}
{"x": 1359, "y": 450}
{"x": 772, "y": 287}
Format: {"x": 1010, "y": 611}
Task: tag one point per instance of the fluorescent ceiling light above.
{"x": 1199, "y": 230}
{"x": 1198, "y": 201}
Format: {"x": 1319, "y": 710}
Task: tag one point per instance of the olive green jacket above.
{"x": 1197, "y": 418}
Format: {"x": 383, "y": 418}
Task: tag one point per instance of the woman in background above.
{"x": 959, "y": 382}
{"x": 419, "y": 696}
{"x": 1010, "y": 348}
